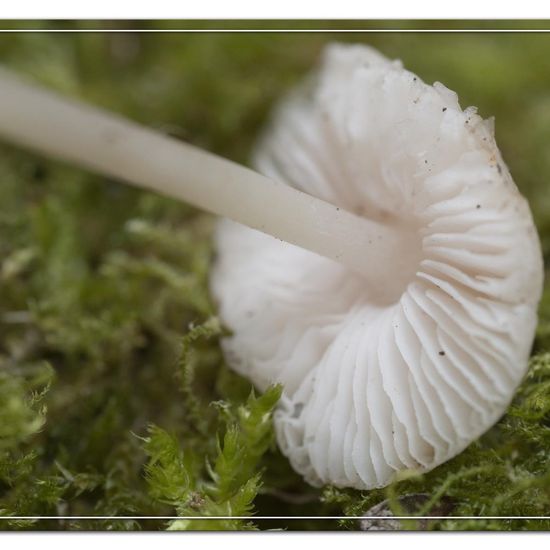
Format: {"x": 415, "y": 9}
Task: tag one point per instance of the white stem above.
{"x": 113, "y": 146}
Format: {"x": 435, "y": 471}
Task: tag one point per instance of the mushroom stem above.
{"x": 115, "y": 147}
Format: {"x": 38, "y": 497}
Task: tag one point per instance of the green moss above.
{"x": 226, "y": 485}
{"x": 114, "y": 398}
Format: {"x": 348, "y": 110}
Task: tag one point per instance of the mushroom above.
{"x": 403, "y": 363}
{"x": 390, "y": 271}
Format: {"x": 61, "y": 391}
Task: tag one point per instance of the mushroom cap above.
{"x": 374, "y": 386}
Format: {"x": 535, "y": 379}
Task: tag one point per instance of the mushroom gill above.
{"x": 407, "y": 373}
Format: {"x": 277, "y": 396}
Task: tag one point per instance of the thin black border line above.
{"x": 272, "y": 31}
{"x": 200, "y": 518}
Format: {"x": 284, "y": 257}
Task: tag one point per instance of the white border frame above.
{"x": 307, "y": 31}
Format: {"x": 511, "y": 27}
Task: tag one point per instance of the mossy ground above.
{"x": 114, "y": 398}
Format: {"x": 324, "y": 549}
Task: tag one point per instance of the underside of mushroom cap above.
{"x": 376, "y": 386}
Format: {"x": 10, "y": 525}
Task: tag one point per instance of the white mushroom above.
{"x": 399, "y": 331}
{"x": 406, "y": 368}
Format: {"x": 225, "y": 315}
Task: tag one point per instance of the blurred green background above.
{"x": 100, "y": 283}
